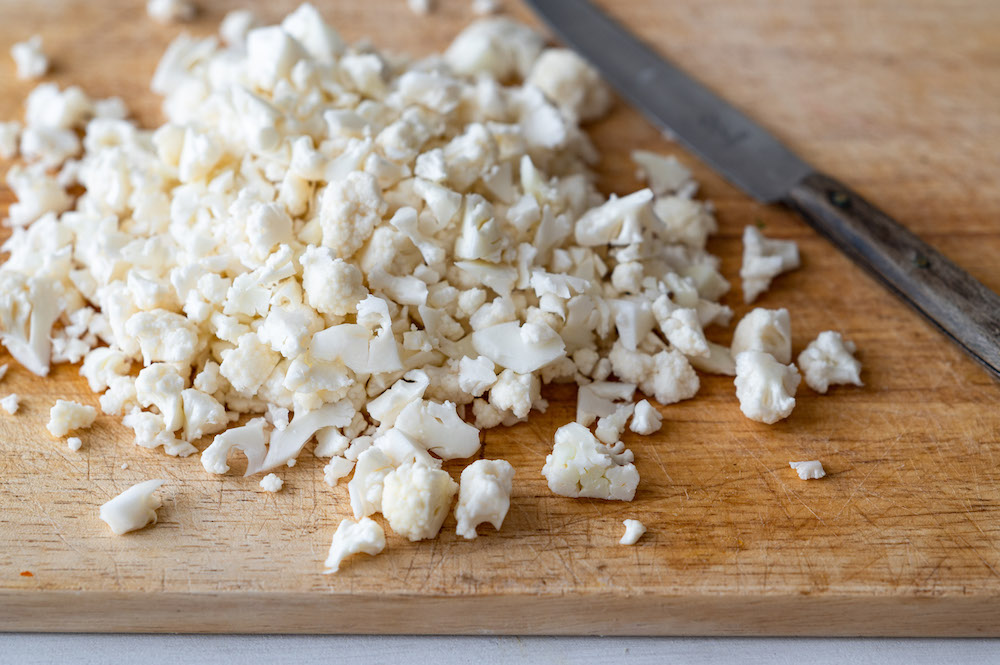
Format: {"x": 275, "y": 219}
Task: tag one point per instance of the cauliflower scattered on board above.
{"x": 829, "y": 360}
{"x": 483, "y": 496}
{"x": 581, "y": 466}
{"x": 763, "y": 260}
{"x": 765, "y": 387}
{"x": 645, "y": 419}
{"x": 353, "y": 537}
{"x": 633, "y": 532}
{"x": 132, "y": 509}
{"x": 811, "y": 470}
{"x": 767, "y": 330}
{"x": 416, "y": 499}
{"x": 74, "y": 443}
{"x": 66, "y": 416}
{"x": 11, "y": 403}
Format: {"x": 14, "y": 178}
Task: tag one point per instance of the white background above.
{"x": 28, "y": 649}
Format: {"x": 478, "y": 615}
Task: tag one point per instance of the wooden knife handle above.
{"x": 947, "y": 296}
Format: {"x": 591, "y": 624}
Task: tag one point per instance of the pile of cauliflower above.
{"x": 385, "y": 255}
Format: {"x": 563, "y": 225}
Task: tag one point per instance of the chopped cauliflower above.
{"x": 763, "y": 260}
{"x": 767, "y": 330}
{"x": 170, "y": 11}
{"x": 67, "y": 416}
{"x": 483, "y": 496}
{"x": 74, "y": 443}
{"x": 812, "y": 470}
{"x": 581, "y": 466}
{"x": 353, "y": 537}
{"x": 645, "y": 419}
{"x": 829, "y": 360}
{"x": 30, "y": 59}
{"x": 416, "y": 499}
{"x": 765, "y": 387}
{"x": 571, "y": 84}
{"x": 132, "y": 509}
{"x": 271, "y": 483}
{"x": 663, "y": 173}
{"x": 633, "y": 532}
{"x": 11, "y": 403}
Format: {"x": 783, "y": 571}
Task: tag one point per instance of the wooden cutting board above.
{"x": 902, "y": 100}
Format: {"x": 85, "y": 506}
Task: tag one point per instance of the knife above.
{"x": 960, "y": 306}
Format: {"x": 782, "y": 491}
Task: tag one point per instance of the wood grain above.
{"x": 899, "y": 100}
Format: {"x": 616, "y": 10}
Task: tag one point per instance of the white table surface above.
{"x": 29, "y": 649}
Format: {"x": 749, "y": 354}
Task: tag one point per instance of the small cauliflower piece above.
{"x": 483, "y": 496}
{"x": 581, "y": 466}
{"x": 515, "y": 392}
{"x": 619, "y": 221}
{"x": 28, "y": 308}
{"x": 521, "y": 348}
{"x": 29, "y": 58}
{"x": 829, "y": 360}
{"x": 767, "y": 330}
{"x": 667, "y": 375}
{"x": 250, "y": 438}
{"x": 203, "y": 414}
{"x": 162, "y": 386}
{"x": 416, "y": 499}
{"x": 349, "y": 210}
{"x": 163, "y": 336}
{"x": 663, "y": 173}
{"x": 765, "y": 387}
{"x": 439, "y": 429}
{"x": 271, "y": 483}
{"x": 248, "y": 365}
{"x": 170, "y": 11}
{"x": 811, "y": 470}
{"x": 332, "y": 286}
{"x": 609, "y": 428}
{"x": 74, "y": 443}
{"x": 367, "y": 484}
{"x": 336, "y": 468}
{"x": 570, "y": 83}
{"x": 763, "y": 260}
{"x": 718, "y": 361}
{"x": 633, "y": 532}
{"x": 11, "y": 403}
{"x": 67, "y": 416}
{"x": 645, "y": 419}
{"x": 353, "y": 537}
{"x": 132, "y": 509}
{"x": 499, "y": 47}
{"x": 476, "y": 376}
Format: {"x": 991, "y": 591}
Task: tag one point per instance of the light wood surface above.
{"x": 900, "y": 100}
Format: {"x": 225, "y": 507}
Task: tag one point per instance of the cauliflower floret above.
{"x": 161, "y": 385}
{"x": 570, "y": 83}
{"x": 767, "y": 330}
{"x": 515, "y": 392}
{"x": 684, "y": 221}
{"x": 349, "y": 210}
{"x": 367, "y": 484}
{"x": 353, "y": 537}
{"x": 250, "y": 438}
{"x": 203, "y": 414}
{"x": 439, "y": 429}
{"x": 271, "y": 483}
{"x": 645, "y": 419}
{"x": 483, "y": 496}
{"x": 829, "y": 360}
{"x": 248, "y": 365}
{"x": 619, "y": 221}
{"x": 718, "y": 361}
{"x": 331, "y": 285}
{"x": 663, "y": 173}
{"x": 581, "y": 466}
{"x": 765, "y": 387}
{"x": 103, "y": 364}
{"x": 337, "y": 468}
{"x": 499, "y": 47}
{"x": 667, "y": 376}
{"x": 11, "y": 403}
{"x": 811, "y": 470}
{"x": 763, "y": 260}
{"x": 476, "y": 376}
{"x": 28, "y": 308}
{"x": 66, "y": 416}
{"x": 633, "y": 532}
{"x": 29, "y": 58}
{"x": 163, "y": 336}
{"x": 683, "y": 330}
{"x": 132, "y": 509}
{"x": 610, "y": 427}
{"x": 486, "y": 415}
{"x": 416, "y": 499}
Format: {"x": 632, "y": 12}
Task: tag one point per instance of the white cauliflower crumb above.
{"x": 170, "y": 11}
{"x": 663, "y": 173}
{"x": 763, "y": 260}
{"x": 811, "y": 470}
{"x": 353, "y": 537}
{"x": 132, "y": 509}
{"x": 581, "y": 466}
{"x": 483, "y": 496}
{"x": 66, "y": 416}
{"x": 765, "y": 387}
{"x": 645, "y": 419}
{"x": 29, "y": 58}
{"x": 416, "y": 499}
{"x": 74, "y": 443}
{"x": 420, "y": 7}
{"x": 271, "y": 483}
{"x": 633, "y": 532}
{"x": 829, "y": 360}
{"x": 767, "y": 330}
{"x": 11, "y": 403}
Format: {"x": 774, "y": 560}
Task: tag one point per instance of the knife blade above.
{"x": 960, "y": 306}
